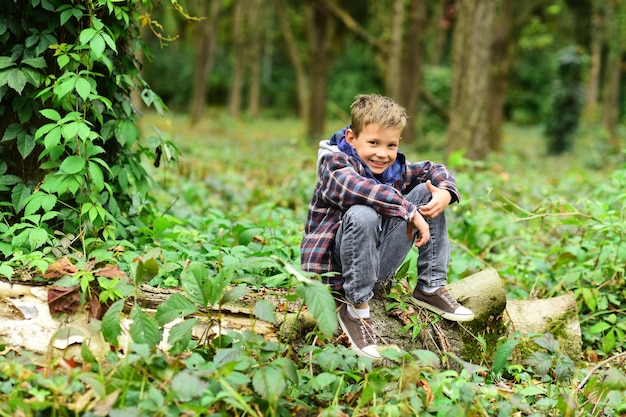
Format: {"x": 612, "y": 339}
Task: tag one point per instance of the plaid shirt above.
{"x": 342, "y": 183}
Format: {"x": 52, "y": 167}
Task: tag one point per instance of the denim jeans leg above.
{"x": 434, "y": 256}
{"x": 355, "y": 251}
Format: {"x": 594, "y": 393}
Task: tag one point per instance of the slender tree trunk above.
{"x": 320, "y": 31}
{"x": 411, "y": 75}
{"x": 613, "y": 69}
{"x": 206, "y": 44}
{"x": 392, "y": 76}
{"x": 593, "y": 80}
{"x": 239, "y": 58}
{"x": 500, "y": 66}
{"x": 257, "y": 22}
{"x": 441, "y": 32}
{"x": 469, "y": 107}
{"x": 302, "y": 84}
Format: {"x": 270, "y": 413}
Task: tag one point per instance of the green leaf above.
{"x": 16, "y": 80}
{"x": 6, "y": 270}
{"x": 235, "y": 294}
{"x": 72, "y": 164}
{"x": 52, "y": 139}
{"x": 264, "y": 310}
{"x": 86, "y": 35}
{"x": 37, "y": 62}
{"x": 6, "y": 62}
{"x": 146, "y": 270}
{"x": 83, "y": 88}
{"x": 19, "y": 194}
{"x": 25, "y": 144}
{"x": 12, "y": 132}
{"x": 111, "y": 327}
{"x": 503, "y": 353}
{"x": 182, "y": 332}
{"x": 269, "y": 383}
{"x": 63, "y": 88}
{"x": 96, "y": 176}
{"x": 126, "y": 133}
{"x": 321, "y": 304}
{"x": 196, "y": 284}
{"x": 176, "y": 306}
{"x": 188, "y": 386}
{"x": 144, "y": 329}
{"x": 590, "y": 299}
{"x": 51, "y": 114}
{"x": 599, "y": 327}
{"x": 97, "y": 45}
{"x": 37, "y": 237}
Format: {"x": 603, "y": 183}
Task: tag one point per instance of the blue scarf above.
{"x": 389, "y": 176}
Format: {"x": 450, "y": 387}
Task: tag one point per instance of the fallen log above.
{"x": 26, "y": 323}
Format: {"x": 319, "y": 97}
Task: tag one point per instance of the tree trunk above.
{"x": 320, "y": 33}
{"x": 257, "y": 22}
{"x": 302, "y": 84}
{"x": 469, "y": 106}
{"x": 206, "y": 43}
{"x": 593, "y": 79}
{"x": 392, "y": 78}
{"x": 613, "y": 70}
{"x": 500, "y": 65}
{"x": 411, "y": 70}
{"x": 240, "y": 47}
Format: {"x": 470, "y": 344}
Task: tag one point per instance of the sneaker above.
{"x": 360, "y": 332}
{"x": 442, "y": 303}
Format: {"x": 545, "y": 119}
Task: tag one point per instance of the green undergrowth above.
{"x": 227, "y": 220}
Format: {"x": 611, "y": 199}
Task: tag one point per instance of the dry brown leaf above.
{"x": 59, "y": 269}
{"x": 63, "y": 299}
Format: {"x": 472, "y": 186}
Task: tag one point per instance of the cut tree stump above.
{"x": 557, "y": 315}
{"x": 26, "y": 323}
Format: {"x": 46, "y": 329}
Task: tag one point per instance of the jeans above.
{"x": 370, "y": 248}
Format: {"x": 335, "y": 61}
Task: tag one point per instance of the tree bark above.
{"x": 411, "y": 74}
{"x": 257, "y": 22}
{"x": 500, "y": 65}
{"x": 613, "y": 70}
{"x": 593, "y": 79}
{"x": 320, "y": 33}
{"x": 302, "y": 83}
{"x": 206, "y": 45}
{"x": 240, "y": 52}
{"x": 469, "y": 107}
{"x": 392, "y": 78}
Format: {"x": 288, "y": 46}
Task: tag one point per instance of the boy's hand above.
{"x": 440, "y": 200}
{"x": 423, "y": 231}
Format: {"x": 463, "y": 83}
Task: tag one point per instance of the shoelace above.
{"x": 367, "y": 329}
{"x": 449, "y": 299}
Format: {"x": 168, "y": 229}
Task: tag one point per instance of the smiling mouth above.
{"x": 378, "y": 164}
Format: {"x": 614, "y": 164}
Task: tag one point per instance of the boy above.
{"x": 368, "y": 208}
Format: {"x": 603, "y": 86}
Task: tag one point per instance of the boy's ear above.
{"x": 350, "y": 136}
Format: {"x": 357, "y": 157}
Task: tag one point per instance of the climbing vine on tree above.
{"x": 70, "y": 147}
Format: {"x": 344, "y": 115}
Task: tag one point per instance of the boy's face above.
{"x": 376, "y": 146}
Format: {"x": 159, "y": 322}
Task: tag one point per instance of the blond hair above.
{"x": 374, "y": 108}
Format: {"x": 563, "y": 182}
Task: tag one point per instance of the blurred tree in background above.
{"x": 309, "y": 59}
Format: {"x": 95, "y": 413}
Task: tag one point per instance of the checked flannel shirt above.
{"x": 343, "y": 182}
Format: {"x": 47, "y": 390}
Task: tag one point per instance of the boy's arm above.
{"x": 437, "y": 174}
{"x": 343, "y": 187}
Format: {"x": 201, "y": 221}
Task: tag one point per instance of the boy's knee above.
{"x": 419, "y": 195}
{"x": 363, "y": 216}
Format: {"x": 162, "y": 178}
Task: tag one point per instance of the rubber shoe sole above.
{"x": 369, "y": 351}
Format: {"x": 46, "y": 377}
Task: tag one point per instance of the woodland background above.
{"x": 166, "y": 150}
{"x": 464, "y": 67}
